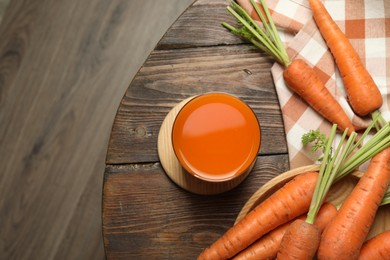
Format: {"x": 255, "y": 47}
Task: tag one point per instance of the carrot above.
{"x": 298, "y": 75}
{"x": 377, "y": 247}
{"x": 302, "y": 79}
{"x": 294, "y": 197}
{"x": 300, "y": 241}
{"x": 327, "y": 212}
{"x": 267, "y": 247}
{"x": 344, "y": 236}
{"x": 302, "y": 237}
{"x": 290, "y": 201}
{"x": 363, "y": 94}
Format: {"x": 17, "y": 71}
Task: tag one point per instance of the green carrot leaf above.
{"x": 317, "y": 140}
{"x": 265, "y": 38}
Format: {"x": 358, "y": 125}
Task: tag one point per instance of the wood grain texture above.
{"x": 170, "y": 76}
{"x": 204, "y": 20}
{"x": 3, "y": 8}
{"x": 64, "y": 67}
{"x": 146, "y": 216}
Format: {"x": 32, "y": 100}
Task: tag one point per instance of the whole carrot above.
{"x": 363, "y": 94}
{"x": 344, "y": 236}
{"x": 377, "y": 247}
{"x": 298, "y": 75}
{"x": 290, "y": 201}
{"x": 302, "y": 79}
{"x": 267, "y": 247}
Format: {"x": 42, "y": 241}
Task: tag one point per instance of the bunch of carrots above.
{"x": 296, "y": 222}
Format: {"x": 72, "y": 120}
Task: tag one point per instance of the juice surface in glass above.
{"x": 216, "y": 137}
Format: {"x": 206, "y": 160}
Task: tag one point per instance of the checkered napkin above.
{"x": 365, "y": 22}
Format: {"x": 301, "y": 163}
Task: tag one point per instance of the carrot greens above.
{"x": 330, "y": 165}
{"x": 318, "y": 141}
{"x": 265, "y": 38}
{"x": 386, "y": 198}
{"x": 353, "y": 155}
{"x": 379, "y": 142}
{"x": 358, "y": 153}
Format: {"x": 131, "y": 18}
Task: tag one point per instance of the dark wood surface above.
{"x": 145, "y": 215}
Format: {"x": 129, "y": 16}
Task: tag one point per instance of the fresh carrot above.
{"x": 302, "y": 237}
{"x": 363, "y": 94}
{"x": 290, "y": 201}
{"x": 298, "y": 75}
{"x": 377, "y": 247}
{"x": 345, "y": 235}
{"x": 302, "y": 79}
{"x": 267, "y": 247}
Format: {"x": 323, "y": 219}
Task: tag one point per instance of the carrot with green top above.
{"x": 344, "y": 237}
{"x": 363, "y": 94}
{"x": 302, "y": 237}
{"x": 289, "y": 202}
{"x": 267, "y": 247}
{"x": 298, "y": 75}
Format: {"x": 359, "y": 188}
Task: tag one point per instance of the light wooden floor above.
{"x": 64, "y": 66}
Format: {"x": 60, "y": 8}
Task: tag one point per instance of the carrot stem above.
{"x": 251, "y": 26}
{"x": 366, "y": 132}
{"x": 328, "y": 170}
{"x": 272, "y": 31}
{"x": 322, "y": 176}
{"x": 386, "y": 197}
{"x": 263, "y": 20}
{"x": 381, "y": 121}
{"x": 339, "y": 159}
{"x": 268, "y": 40}
{"x": 252, "y": 32}
{"x": 377, "y": 143}
{"x": 346, "y": 162}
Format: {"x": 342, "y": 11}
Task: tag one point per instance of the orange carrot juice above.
{"x": 216, "y": 137}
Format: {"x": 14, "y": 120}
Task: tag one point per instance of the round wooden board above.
{"x": 172, "y": 165}
{"x": 337, "y": 194}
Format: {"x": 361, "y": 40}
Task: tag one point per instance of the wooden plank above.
{"x": 64, "y": 67}
{"x": 83, "y": 237}
{"x": 146, "y": 216}
{"x": 201, "y": 26}
{"x": 170, "y": 76}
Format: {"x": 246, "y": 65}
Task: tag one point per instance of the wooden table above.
{"x": 145, "y": 215}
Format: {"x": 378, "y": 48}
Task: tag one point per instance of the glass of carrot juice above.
{"x": 216, "y": 137}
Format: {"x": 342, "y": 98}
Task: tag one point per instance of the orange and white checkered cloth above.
{"x": 365, "y": 22}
